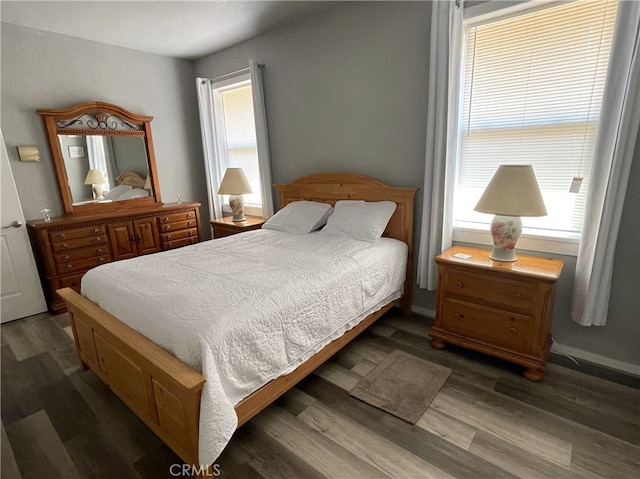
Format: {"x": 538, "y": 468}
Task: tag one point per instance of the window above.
{"x": 236, "y": 136}
{"x": 531, "y": 94}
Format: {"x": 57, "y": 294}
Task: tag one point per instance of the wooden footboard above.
{"x": 162, "y": 390}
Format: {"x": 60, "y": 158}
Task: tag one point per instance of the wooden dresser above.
{"x": 498, "y": 308}
{"x": 68, "y": 246}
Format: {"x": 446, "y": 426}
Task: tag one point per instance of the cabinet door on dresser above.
{"x": 146, "y": 235}
{"x": 133, "y": 238}
{"x": 122, "y": 239}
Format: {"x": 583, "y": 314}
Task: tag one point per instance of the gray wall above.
{"x": 44, "y": 70}
{"x": 346, "y": 91}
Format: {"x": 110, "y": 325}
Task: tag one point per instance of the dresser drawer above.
{"x": 81, "y": 265}
{"x": 174, "y": 217}
{"x": 482, "y": 323}
{"x": 178, "y": 243}
{"x": 71, "y": 281}
{"x": 178, "y": 225}
{"x": 77, "y": 233}
{"x": 176, "y": 235}
{"x": 84, "y": 253}
{"x": 60, "y": 246}
{"x": 490, "y": 290}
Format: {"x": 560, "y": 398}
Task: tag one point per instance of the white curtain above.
{"x": 442, "y": 119}
{"x": 214, "y": 176}
{"x": 262, "y": 138}
{"x": 100, "y": 154}
{"x": 615, "y": 143}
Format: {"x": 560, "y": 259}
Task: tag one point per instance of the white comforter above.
{"x": 248, "y": 308}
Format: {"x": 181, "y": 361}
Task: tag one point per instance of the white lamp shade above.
{"x": 513, "y": 191}
{"x": 234, "y": 182}
{"x": 94, "y": 177}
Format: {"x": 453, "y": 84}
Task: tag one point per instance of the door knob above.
{"x": 14, "y": 224}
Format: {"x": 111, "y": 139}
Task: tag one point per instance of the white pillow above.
{"x": 116, "y": 192}
{"x": 134, "y": 193}
{"x": 360, "y": 220}
{"x": 300, "y": 217}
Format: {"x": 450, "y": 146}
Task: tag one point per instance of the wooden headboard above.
{"x": 331, "y": 187}
{"x": 132, "y": 179}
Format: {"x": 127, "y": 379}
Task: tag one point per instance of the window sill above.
{"x": 567, "y": 246}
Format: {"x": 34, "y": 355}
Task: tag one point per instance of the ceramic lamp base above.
{"x": 236, "y": 202}
{"x": 505, "y": 231}
{"x": 98, "y": 192}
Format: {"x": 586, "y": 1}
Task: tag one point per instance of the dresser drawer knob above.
{"x": 99, "y": 251}
{"x": 67, "y": 257}
{"x": 69, "y": 266}
{"x": 458, "y": 315}
{"x": 513, "y": 330}
{"x": 459, "y": 284}
{"x": 190, "y": 223}
{"x": 190, "y": 233}
{"x": 65, "y": 245}
{"x": 167, "y": 228}
{"x": 61, "y": 236}
{"x": 517, "y": 296}
{"x": 98, "y": 240}
{"x": 166, "y": 219}
{"x": 169, "y": 237}
{"x": 101, "y": 260}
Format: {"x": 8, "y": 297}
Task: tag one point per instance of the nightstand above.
{"x": 497, "y": 308}
{"x": 226, "y": 227}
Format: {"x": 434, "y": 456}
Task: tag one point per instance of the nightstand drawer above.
{"x": 490, "y": 290}
{"x": 487, "y": 324}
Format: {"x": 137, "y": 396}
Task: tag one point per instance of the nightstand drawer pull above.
{"x": 459, "y": 284}
{"x": 517, "y": 296}
{"x": 458, "y": 315}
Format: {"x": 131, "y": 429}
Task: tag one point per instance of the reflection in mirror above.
{"x": 121, "y": 160}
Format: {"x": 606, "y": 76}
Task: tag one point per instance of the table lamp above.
{"x": 235, "y": 184}
{"x": 512, "y": 192}
{"x": 96, "y": 180}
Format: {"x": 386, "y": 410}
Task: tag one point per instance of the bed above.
{"x": 167, "y": 393}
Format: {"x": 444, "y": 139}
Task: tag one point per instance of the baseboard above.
{"x": 593, "y": 358}
{"x": 429, "y": 313}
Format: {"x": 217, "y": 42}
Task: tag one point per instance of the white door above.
{"x": 21, "y": 291}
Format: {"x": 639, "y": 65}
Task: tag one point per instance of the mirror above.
{"x": 103, "y": 157}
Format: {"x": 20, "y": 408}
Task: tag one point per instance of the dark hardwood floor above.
{"x": 486, "y": 422}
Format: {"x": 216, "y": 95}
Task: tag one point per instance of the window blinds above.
{"x": 240, "y": 137}
{"x": 532, "y": 90}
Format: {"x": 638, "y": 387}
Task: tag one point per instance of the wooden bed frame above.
{"x": 162, "y": 390}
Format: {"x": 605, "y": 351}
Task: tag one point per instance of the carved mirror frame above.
{"x": 98, "y": 118}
